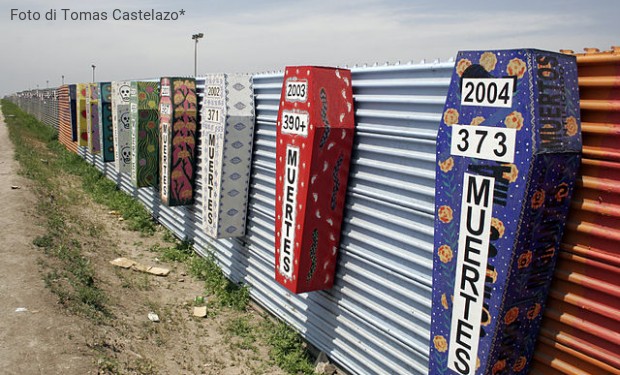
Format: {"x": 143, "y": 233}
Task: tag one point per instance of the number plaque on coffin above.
{"x": 227, "y": 133}
{"x": 178, "y": 111}
{"x": 121, "y": 125}
{"x": 314, "y": 138}
{"x": 508, "y": 150}
{"x": 144, "y": 116}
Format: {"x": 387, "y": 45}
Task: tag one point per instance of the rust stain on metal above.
{"x": 580, "y": 333}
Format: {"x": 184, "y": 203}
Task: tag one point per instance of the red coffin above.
{"x": 315, "y": 130}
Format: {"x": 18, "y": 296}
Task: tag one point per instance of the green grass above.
{"x": 168, "y": 236}
{"x": 288, "y": 350}
{"x": 68, "y": 274}
{"x": 242, "y": 333}
{"x": 181, "y": 252}
{"x": 43, "y": 165}
{"x": 227, "y": 293}
{"x": 104, "y": 191}
{"x": 107, "y": 365}
{"x": 45, "y": 241}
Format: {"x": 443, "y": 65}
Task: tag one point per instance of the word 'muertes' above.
{"x": 66, "y": 14}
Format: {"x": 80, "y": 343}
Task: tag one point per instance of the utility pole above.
{"x": 196, "y": 37}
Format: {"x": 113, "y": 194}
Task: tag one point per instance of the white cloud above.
{"x": 253, "y": 36}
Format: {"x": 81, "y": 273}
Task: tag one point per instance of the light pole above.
{"x": 63, "y": 79}
{"x": 93, "y": 66}
{"x": 196, "y": 37}
{"x": 47, "y": 84}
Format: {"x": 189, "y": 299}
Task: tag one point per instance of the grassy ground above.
{"x": 69, "y": 272}
{"x": 287, "y": 348}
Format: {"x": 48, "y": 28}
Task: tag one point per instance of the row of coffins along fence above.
{"x": 507, "y": 154}
{"x": 149, "y": 130}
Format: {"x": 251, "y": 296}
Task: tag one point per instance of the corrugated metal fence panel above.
{"x": 581, "y": 329}
{"x": 64, "y": 119}
{"x": 49, "y": 108}
{"x": 377, "y": 317}
{"x": 42, "y": 104}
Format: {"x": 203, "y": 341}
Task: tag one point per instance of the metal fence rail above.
{"x": 42, "y": 104}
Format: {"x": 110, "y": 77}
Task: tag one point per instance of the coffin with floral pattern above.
{"x": 144, "y": 118}
{"x": 178, "y": 112}
{"x": 508, "y": 149}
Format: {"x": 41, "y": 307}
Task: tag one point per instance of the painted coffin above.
{"x": 227, "y": 133}
{"x": 106, "y": 140}
{"x": 315, "y": 129}
{"x": 144, "y": 117}
{"x": 80, "y": 112}
{"x": 178, "y": 113}
{"x": 121, "y": 125}
{"x": 508, "y": 150}
{"x": 74, "y": 117}
{"x": 92, "y": 118}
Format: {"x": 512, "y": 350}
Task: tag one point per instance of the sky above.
{"x": 267, "y": 35}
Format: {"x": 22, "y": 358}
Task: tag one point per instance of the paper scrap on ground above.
{"x": 200, "y": 311}
{"x": 128, "y": 263}
{"x": 122, "y": 262}
{"x": 153, "y": 317}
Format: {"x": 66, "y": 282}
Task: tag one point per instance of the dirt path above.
{"x": 41, "y": 340}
